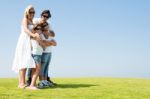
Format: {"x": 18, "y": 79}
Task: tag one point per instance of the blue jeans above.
{"x": 46, "y": 58}
{"x": 45, "y": 61}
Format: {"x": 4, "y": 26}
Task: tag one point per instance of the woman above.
{"x": 23, "y": 58}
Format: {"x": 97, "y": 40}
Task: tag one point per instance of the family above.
{"x": 33, "y": 51}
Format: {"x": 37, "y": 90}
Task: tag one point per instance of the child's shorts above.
{"x": 37, "y": 58}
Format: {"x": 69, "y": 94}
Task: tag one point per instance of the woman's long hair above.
{"x": 26, "y": 12}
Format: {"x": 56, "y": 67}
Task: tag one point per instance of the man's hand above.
{"x": 53, "y": 42}
{"x": 49, "y": 43}
{"x": 52, "y": 33}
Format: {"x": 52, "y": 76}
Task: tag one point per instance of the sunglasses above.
{"x": 45, "y": 16}
{"x": 31, "y": 12}
{"x": 44, "y": 25}
{"x": 37, "y": 28}
{"x": 45, "y": 30}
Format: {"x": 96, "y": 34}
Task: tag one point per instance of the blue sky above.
{"x": 96, "y": 38}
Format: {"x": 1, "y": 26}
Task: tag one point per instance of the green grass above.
{"x": 80, "y": 88}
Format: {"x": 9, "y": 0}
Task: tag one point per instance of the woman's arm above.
{"x": 26, "y": 30}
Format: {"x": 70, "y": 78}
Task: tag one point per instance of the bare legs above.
{"x": 22, "y": 74}
{"x": 35, "y": 74}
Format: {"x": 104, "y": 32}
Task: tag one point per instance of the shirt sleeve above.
{"x": 35, "y": 21}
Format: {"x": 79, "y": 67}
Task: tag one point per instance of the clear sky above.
{"x": 96, "y": 38}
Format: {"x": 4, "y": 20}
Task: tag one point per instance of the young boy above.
{"x": 46, "y": 57}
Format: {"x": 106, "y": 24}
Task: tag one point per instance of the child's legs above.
{"x": 36, "y": 71}
{"x": 43, "y": 68}
{"x": 46, "y": 57}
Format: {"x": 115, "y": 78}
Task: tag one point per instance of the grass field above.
{"x": 80, "y": 88}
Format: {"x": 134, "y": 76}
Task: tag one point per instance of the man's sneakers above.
{"x": 44, "y": 84}
{"x": 41, "y": 85}
{"x": 48, "y": 79}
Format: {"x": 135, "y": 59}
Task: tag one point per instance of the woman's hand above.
{"x": 37, "y": 36}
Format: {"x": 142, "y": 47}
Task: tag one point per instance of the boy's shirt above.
{"x": 48, "y": 49}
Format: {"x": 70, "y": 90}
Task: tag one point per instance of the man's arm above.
{"x": 49, "y": 43}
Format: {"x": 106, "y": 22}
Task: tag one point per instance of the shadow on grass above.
{"x": 73, "y": 85}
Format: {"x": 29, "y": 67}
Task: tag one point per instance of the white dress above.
{"x": 23, "y": 58}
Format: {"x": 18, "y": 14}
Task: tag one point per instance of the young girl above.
{"x": 37, "y": 50}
